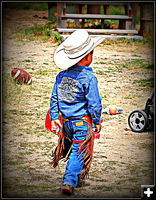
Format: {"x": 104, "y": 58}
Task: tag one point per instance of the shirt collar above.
{"x": 84, "y": 68}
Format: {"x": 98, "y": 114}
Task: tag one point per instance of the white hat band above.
{"x": 77, "y": 56}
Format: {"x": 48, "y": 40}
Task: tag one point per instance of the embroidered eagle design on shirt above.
{"x": 68, "y": 89}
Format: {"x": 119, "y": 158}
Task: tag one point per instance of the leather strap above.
{"x": 77, "y": 141}
{"x": 85, "y": 118}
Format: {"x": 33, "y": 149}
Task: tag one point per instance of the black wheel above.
{"x": 150, "y": 124}
{"x": 138, "y": 120}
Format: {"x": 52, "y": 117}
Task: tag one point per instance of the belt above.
{"x": 85, "y": 118}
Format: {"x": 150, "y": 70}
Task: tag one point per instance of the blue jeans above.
{"x": 76, "y": 130}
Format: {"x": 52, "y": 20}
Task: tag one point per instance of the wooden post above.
{"x": 147, "y": 20}
{"x": 106, "y": 12}
{"x": 128, "y": 11}
{"x": 78, "y": 10}
{"x": 82, "y": 11}
{"x": 61, "y": 9}
{"x": 106, "y": 9}
{"x": 52, "y": 9}
{"x": 126, "y": 24}
{"x": 135, "y": 8}
{"x": 93, "y": 9}
{"x": 81, "y": 8}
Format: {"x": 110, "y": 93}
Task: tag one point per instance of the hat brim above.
{"x": 64, "y": 62}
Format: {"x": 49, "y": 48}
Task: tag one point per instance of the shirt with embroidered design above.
{"x": 75, "y": 94}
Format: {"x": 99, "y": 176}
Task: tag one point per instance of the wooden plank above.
{"x": 103, "y": 31}
{"x": 135, "y": 37}
{"x": 94, "y": 16}
{"x": 97, "y": 3}
{"x": 147, "y": 20}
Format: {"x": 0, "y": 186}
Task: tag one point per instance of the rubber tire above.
{"x": 150, "y": 124}
{"x": 142, "y": 115}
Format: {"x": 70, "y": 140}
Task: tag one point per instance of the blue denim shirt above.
{"x": 75, "y": 94}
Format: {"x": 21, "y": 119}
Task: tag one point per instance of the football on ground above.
{"x": 21, "y": 76}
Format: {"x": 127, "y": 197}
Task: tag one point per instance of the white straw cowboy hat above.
{"x": 74, "y": 48}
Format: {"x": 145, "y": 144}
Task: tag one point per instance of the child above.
{"x": 76, "y": 97}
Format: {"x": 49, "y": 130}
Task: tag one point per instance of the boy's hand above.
{"x": 98, "y": 128}
{"x": 56, "y": 125}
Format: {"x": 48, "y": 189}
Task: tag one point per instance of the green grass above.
{"x": 134, "y": 64}
{"x": 142, "y": 63}
{"x": 109, "y": 80}
{"x": 5, "y": 59}
{"x": 37, "y": 145}
{"x": 101, "y": 62}
{"x": 145, "y": 82}
{"x": 57, "y": 37}
{"x": 102, "y": 188}
{"x": 109, "y": 70}
{"x": 31, "y": 186}
{"x": 136, "y": 55}
{"x": 132, "y": 96}
{"x": 123, "y": 181}
{"x": 20, "y": 112}
{"x": 147, "y": 147}
{"x": 42, "y": 72}
{"x": 37, "y": 32}
{"x": 45, "y": 63}
{"x": 15, "y": 162}
{"x": 100, "y": 72}
{"x": 107, "y": 117}
{"x": 125, "y": 41}
{"x": 133, "y": 169}
{"x": 27, "y": 61}
{"x": 11, "y": 91}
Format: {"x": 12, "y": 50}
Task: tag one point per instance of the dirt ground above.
{"x": 122, "y": 160}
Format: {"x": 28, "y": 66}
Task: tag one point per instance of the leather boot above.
{"x": 67, "y": 189}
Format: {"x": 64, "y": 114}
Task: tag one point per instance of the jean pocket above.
{"x": 80, "y": 126}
